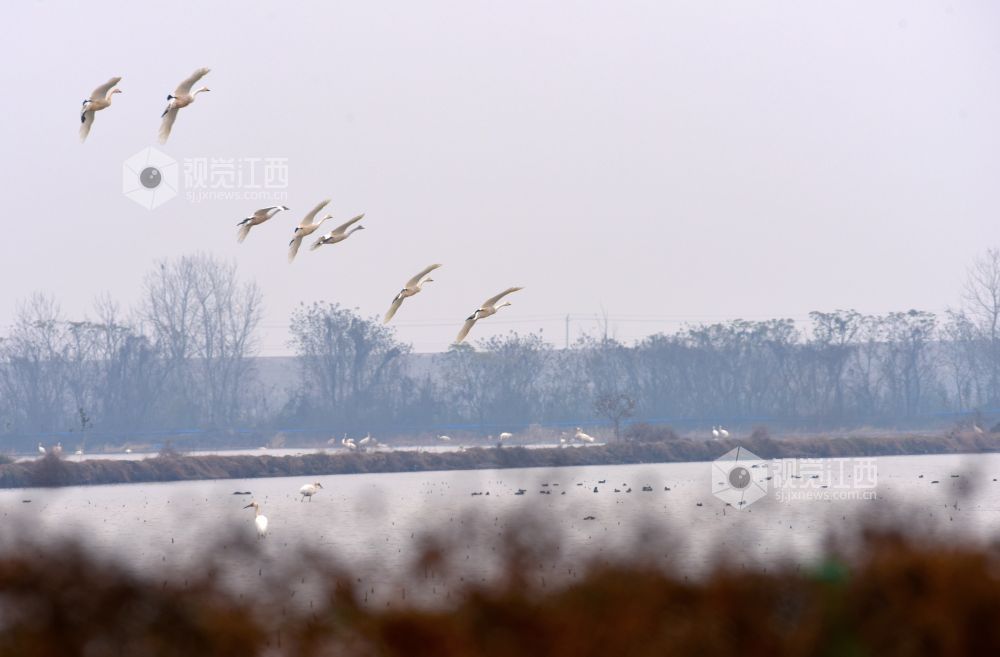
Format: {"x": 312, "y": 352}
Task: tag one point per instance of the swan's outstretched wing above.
{"x": 86, "y": 120}
{"x": 465, "y": 330}
{"x": 342, "y": 228}
{"x": 101, "y": 92}
{"x": 169, "y": 116}
{"x": 396, "y": 303}
{"x": 493, "y": 300}
{"x": 293, "y": 247}
{"x": 413, "y": 282}
{"x": 185, "y": 87}
{"x": 243, "y": 232}
{"x": 311, "y": 215}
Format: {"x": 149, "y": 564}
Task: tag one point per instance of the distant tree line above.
{"x": 183, "y": 358}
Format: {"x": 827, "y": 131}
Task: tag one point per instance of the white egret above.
{"x": 41, "y": 450}
{"x": 412, "y": 286}
{"x": 256, "y": 219}
{"x": 182, "y": 97}
{"x": 259, "y": 519}
{"x": 309, "y": 490}
{"x": 488, "y": 308}
{"x": 99, "y": 99}
{"x": 306, "y": 227}
{"x": 582, "y": 437}
{"x": 340, "y": 233}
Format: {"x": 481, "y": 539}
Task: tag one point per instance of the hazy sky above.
{"x": 664, "y": 161}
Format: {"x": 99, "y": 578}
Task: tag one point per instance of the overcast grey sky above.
{"x": 670, "y": 161}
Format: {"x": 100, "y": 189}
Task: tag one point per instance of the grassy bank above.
{"x": 53, "y": 471}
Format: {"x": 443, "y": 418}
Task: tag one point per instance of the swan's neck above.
{"x": 352, "y": 230}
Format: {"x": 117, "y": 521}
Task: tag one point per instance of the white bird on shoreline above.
{"x": 340, "y": 233}
{"x": 41, "y": 449}
{"x": 99, "y": 99}
{"x": 309, "y": 490}
{"x": 260, "y": 520}
{"x": 582, "y": 437}
{"x": 412, "y": 286}
{"x": 488, "y": 308}
{"x": 182, "y": 97}
{"x": 715, "y": 431}
{"x": 367, "y": 440}
{"x": 723, "y": 432}
{"x": 444, "y": 439}
{"x": 256, "y": 219}
{"x": 506, "y": 435}
{"x": 306, "y": 227}
{"x": 348, "y": 443}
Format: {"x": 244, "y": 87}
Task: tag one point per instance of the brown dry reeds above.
{"x": 894, "y": 595}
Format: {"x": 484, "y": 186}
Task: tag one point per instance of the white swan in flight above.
{"x": 582, "y": 437}
{"x": 412, "y": 287}
{"x": 307, "y": 227}
{"x": 182, "y": 97}
{"x": 260, "y": 520}
{"x": 99, "y": 99}
{"x": 256, "y": 219}
{"x": 488, "y": 308}
{"x": 340, "y": 233}
{"x": 309, "y": 490}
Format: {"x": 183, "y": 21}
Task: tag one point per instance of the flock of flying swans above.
{"x": 183, "y": 97}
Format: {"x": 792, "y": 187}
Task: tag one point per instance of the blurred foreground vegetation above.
{"x": 884, "y": 593}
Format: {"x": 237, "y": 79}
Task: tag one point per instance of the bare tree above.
{"x": 204, "y": 320}
{"x": 352, "y": 371}
{"x": 615, "y": 407}
{"x": 982, "y": 304}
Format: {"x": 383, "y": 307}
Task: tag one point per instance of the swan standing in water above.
{"x": 582, "y": 437}
{"x": 340, "y": 233}
{"x": 488, "y": 308}
{"x": 306, "y": 228}
{"x": 256, "y": 219}
{"x": 411, "y": 288}
{"x": 309, "y": 490}
{"x": 182, "y": 97}
{"x": 99, "y": 99}
{"x": 260, "y": 520}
